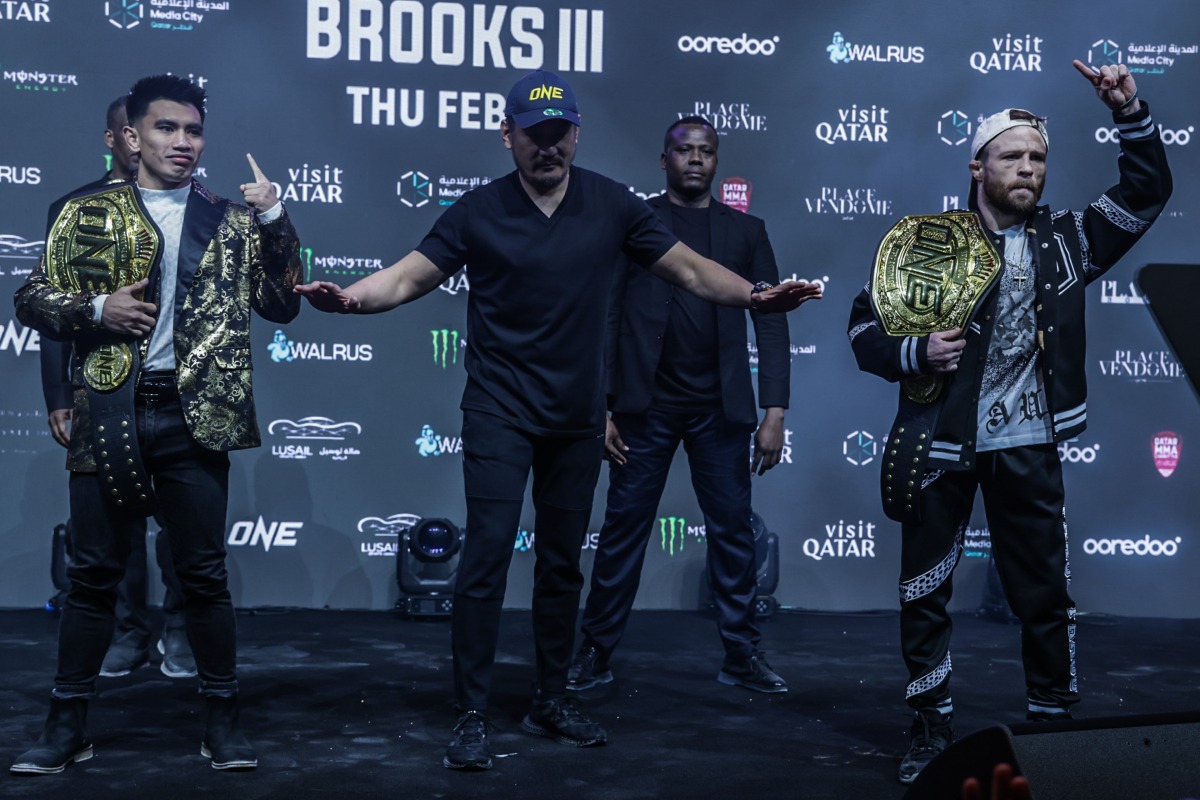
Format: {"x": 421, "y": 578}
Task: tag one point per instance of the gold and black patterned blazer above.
{"x": 229, "y": 263}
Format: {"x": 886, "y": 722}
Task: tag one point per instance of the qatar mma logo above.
{"x": 741, "y": 46}
{"x": 1168, "y": 446}
{"x": 735, "y": 193}
{"x": 954, "y": 128}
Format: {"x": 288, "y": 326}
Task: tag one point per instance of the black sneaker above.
{"x": 122, "y": 660}
{"x": 558, "y": 719}
{"x": 586, "y": 670}
{"x": 177, "y": 658}
{"x": 752, "y": 673}
{"x": 931, "y": 734}
{"x": 469, "y": 747}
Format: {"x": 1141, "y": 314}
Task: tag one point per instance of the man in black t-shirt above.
{"x": 541, "y": 244}
{"x": 678, "y": 372}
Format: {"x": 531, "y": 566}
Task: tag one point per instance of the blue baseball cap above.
{"x": 538, "y": 97}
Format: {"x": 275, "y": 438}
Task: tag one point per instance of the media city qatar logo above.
{"x": 414, "y": 189}
{"x": 434, "y": 444}
{"x": 304, "y": 432}
{"x": 842, "y": 51}
{"x": 843, "y": 540}
{"x": 954, "y": 128}
{"x": 1167, "y": 447}
{"x": 860, "y": 448}
{"x": 1103, "y": 52}
{"x": 125, "y": 14}
{"x": 385, "y": 533}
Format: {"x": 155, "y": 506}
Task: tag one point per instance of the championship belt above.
{"x": 100, "y": 242}
{"x": 930, "y": 274}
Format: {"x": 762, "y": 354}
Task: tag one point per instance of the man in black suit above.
{"x": 130, "y": 646}
{"x": 678, "y": 371}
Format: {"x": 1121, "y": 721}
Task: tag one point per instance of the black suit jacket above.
{"x": 640, "y": 310}
{"x": 56, "y": 356}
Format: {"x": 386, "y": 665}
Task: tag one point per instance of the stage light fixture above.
{"x": 766, "y": 569}
{"x": 427, "y": 566}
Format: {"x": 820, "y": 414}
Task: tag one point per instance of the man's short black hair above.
{"x": 163, "y": 87}
{"x": 691, "y": 119}
{"x": 110, "y": 116}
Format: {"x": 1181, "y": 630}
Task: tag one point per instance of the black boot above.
{"x": 64, "y": 739}
{"x": 224, "y": 741}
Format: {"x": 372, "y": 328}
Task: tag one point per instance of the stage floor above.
{"x": 357, "y": 704}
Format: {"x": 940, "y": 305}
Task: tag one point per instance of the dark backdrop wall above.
{"x": 835, "y": 119}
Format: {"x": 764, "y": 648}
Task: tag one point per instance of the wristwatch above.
{"x": 758, "y": 288}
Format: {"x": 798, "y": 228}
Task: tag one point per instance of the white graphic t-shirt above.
{"x": 1012, "y": 397}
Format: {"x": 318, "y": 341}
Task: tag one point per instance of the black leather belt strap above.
{"x": 123, "y": 477}
{"x": 904, "y": 460}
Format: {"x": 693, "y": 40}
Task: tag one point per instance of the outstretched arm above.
{"x": 409, "y": 278}
{"x": 708, "y": 280}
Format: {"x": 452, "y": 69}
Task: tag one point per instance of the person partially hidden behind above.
{"x": 678, "y": 372}
{"x": 189, "y": 404}
{"x": 1013, "y": 386}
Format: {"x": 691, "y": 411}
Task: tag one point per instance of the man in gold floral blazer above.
{"x": 185, "y": 328}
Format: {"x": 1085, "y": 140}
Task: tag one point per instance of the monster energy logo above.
{"x": 672, "y": 530}
{"x": 445, "y": 342}
{"x": 306, "y": 254}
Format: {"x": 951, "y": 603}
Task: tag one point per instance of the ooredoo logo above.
{"x": 1179, "y": 136}
{"x": 1071, "y": 453}
{"x": 742, "y": 45}
{"x": 1144, "y": 546}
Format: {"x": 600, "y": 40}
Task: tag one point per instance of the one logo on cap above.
{"x": 547, "y": 92}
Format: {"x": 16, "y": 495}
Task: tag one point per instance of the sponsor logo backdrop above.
{"x": 372, "y": 118}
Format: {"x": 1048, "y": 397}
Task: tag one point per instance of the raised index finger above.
{"x": 1086, "y": 71}
{"x": 259, "y": 177}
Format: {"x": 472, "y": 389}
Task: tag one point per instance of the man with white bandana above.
{"x": 1013, "y": 386}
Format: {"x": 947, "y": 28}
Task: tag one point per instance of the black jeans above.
{"x": 1023, "y": 495}
{"x": 497, "y": 461}
{"x": 192, "y": 484}
{"x": 133, "y": 613}
{"x": 719, "y": 460}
